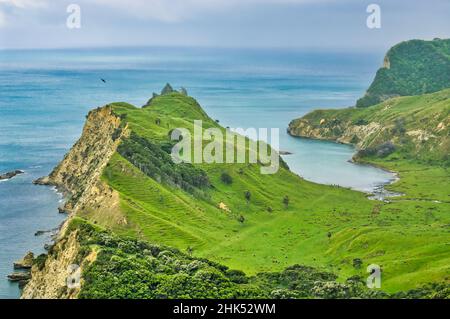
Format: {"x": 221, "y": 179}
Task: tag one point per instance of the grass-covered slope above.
{"x": 133, "y": 269}
{"x": 322, "y": 226}
{"x": 411, "y": 68}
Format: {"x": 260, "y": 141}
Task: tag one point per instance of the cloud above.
{"x": 179, "y": 10}
{"x": 168, "y": 11}
{"x": 9, "y": 8}
{"x": 24, "y": 3}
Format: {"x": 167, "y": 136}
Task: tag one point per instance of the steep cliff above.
{"x": 78, "y": 174}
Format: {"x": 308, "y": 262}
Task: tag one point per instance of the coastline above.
{"x": 378, "y": 192}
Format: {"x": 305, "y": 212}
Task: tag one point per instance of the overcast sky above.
{"x": 318, "y": 24}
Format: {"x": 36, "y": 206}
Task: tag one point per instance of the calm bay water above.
{"x": 44, "y": 96}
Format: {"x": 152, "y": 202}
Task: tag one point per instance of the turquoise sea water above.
{"x": 44, "y": 96}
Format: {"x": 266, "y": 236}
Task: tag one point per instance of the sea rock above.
{"x": 167, "y": 89}
{"x": 19, "y": 276}
{"x": 40, "y": 232}
{"x": 10, "y": 175}
{"x": 26, "y": 262}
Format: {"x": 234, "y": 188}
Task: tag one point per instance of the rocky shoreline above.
{"x": 22, "y": 270}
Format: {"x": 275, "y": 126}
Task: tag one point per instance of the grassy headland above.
{"x": 328, "y": 227}
{"x": 411, "y": 68}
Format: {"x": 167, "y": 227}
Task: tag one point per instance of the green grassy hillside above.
{"x": 132, "y": 269}
{"x": 322, "y": 226}
{"x": 411, "y": 68}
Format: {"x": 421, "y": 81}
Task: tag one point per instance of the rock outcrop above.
{"x": 26, "y": 262}
{"x": 341, "y": 132}
{"x": 10, "y": 175}
{"x": 49, "y": 277}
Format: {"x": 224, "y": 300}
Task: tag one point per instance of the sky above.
{"x": 306, "y": 24}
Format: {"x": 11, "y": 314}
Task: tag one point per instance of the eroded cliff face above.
{"x": 361, "y": 136}
{"x": 415, "y": 137}
{"x": 49, "y": 280}
{"x": 78, "y": 176}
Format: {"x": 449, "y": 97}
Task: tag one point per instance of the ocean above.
{"x": 45, "y": 95}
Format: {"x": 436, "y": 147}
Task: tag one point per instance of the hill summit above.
{"x": 411, "y": 68}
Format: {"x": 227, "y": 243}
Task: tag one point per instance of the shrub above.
{"x": 226, "y": 178}
{"x": 357, "y": 263}
{"x": 236, "y": 276}
{"x": 382, "y": 150}
{"x": 360, "y": 122}
{"x": 286, "y": 201}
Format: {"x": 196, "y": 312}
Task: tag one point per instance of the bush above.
{"x": 226, "y": 178}
{"x": 357, "y": 263}
{"x": 382, "y": 150}
{"x": 248, "y": 195}
{"x": 360, "y": 122}
{"x": 286, "y": 201}
{"x": 237, "y": 276}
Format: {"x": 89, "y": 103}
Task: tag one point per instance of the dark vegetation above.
{"x": 226, "y": 178}
{"x": 382, "y": 150}
{"x": 155, "y": 161}
{"x": 127, "y": 268}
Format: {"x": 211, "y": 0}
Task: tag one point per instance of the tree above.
{"x": 286, "y": 201}
{"x": 248, "y": 195}
{"x": 226, "y": 178}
